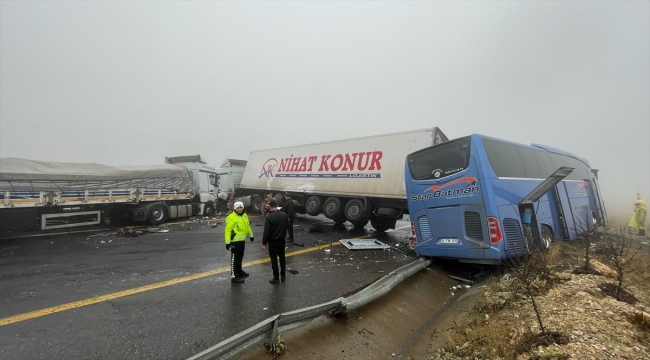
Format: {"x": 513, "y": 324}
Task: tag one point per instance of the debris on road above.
{"x": 461, "y": 279}
{"x": 367, "y": 244}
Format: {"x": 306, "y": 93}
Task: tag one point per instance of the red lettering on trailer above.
{"x": 295, "y": 163}
{"x": 323, "y": 163}
{"x": 365, "y": 165}
{"x": 369, "y": 160}
{"x": 349, "y": 161}
{"x": 311, "y": 162}
{"x": 337, "y": 166}
{"x": 376, "y": 156}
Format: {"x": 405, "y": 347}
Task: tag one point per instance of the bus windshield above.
{"x": 440, "y": 161}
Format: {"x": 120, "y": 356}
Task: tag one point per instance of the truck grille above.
{"x": 425, "y": 227}
{"x": 514, "y": 237}
{"x": 473, "y": 227}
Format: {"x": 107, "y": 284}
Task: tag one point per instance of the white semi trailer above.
{"x": 356, "y": 180}
{"x": 53, "y": 195}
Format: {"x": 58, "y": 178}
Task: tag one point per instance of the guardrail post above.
{"x": 274, "y": 333}
{"x": 7, "y": 199}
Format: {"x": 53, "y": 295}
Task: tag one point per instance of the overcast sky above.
{"x": 128, "y": 83}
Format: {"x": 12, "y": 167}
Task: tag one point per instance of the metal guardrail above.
{"x": 268, "y": 329}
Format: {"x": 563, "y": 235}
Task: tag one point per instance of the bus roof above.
{"x": 543, "y": 147}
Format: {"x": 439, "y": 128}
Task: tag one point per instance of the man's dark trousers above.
{"x": 276, "y": 250}
{"x": 236, "y": 256}
{"x": 290, "y": 228}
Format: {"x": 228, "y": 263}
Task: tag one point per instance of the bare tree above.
{"x": 531, "y": 272}
{"x": 619, "y": 253}
{"x": 588, "y": 237}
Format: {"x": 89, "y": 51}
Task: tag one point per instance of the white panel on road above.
{"x": 367, "y": 244}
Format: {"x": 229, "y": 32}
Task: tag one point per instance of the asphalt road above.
{"x": 166, "y": 295}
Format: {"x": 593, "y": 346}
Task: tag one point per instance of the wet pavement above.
{"x": 193, "y": 306}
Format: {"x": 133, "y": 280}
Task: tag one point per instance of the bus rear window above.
{"x": 440, "y": 161}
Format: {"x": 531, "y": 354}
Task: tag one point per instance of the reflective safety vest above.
{"x": 237, "y": 227}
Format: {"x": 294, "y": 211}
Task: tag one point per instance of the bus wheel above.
{"x": 256, "y": 204}
{"x": 312, "y": 205}
{"x": 332, "y": 207}
{"x": 157, "y": 215}
{"x": 354, "y": 210}
{"x": 209, "y": 209}
{"x": 547, "y": 237}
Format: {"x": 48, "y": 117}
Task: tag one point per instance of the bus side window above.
{"x": 530, "y": 163}
{"x": 545, "y": 163}
{"x": 504, "y": 158}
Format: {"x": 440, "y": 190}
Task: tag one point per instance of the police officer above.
{"x": 275, "y": 228}
{"x": 289, "y": 208}
{"x": 237, "y": 228}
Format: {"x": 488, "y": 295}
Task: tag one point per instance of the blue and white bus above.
{"x": 482, "y": 200}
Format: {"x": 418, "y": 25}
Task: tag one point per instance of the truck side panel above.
{"x": 362, "y": 167}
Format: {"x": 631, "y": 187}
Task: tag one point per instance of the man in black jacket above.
{"x": 275, "y": 228}
{"x": 289, "y": 208}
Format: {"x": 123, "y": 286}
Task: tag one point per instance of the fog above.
{"x": 128, "y": 83}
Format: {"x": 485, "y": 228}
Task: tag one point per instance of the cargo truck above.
{"x": 358, "y": 180}
{"x": 52, "y": 195}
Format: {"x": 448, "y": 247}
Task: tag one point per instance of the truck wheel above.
{"x": 278, "y": 198}
{"x": 256, "y": 204}
{"x": 312, "y": 206}
{"x": 379, "y": 223}
{"x": 354, "y": 210}
{"x": 332, "y": 207}
{"x": 547, "y": 237}
{"x": 157, "y": 215}
{"x": 208, "y": 209}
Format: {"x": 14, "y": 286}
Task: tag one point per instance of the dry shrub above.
{"x": 483, "y": 339}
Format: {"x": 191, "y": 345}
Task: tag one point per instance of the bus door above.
{"x": 599, "y": 205}
{"x": 567, "y": 211}
{"x": 527, "y": 209}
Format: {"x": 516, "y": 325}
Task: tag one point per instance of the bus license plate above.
{"x": 448, "y": 241}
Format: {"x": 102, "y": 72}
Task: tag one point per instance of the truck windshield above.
{"x": 440, "y": 161}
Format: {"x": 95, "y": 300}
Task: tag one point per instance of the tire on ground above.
{"x": 313, "y": 206}
{"x": 256, "y": 204}
{"x": 208, "y": 209}
{"x": 354, "y": 210}
{"x": 157, "y": 214}
{"x": 332, "y": 207}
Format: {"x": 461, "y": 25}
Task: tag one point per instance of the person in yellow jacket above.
{"x": 640, "y": 216}
{"x": 237, "y": 228}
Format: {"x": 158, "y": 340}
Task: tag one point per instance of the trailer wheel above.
{"x": 332, "y": 207}
{"x": 209, "y": 209}
{"x": 547, "y": 237}
{"x": 256, "y": 204}
{"x": 157, "y": 215}
{"x": 312, "y": 206}
{"x": 354, "y": 210}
